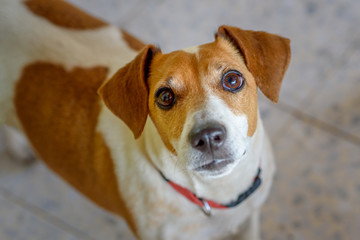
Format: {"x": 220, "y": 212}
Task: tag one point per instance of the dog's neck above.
{"x": 211, "y": 188}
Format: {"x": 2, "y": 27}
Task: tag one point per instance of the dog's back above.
{"x": 53, "y": 59}
{"x": 55, "y": 34}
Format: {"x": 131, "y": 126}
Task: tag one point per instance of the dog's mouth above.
{"x": 216, "y": 167}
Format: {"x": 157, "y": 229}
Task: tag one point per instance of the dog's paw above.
{"x": 17, "y": 146}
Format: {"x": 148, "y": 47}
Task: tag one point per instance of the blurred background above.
{"x": 315, "y": 128}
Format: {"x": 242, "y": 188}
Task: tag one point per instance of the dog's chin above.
{"x": 216, "y": 168}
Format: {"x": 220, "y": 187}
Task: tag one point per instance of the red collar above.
{"x": 206, "y": 205}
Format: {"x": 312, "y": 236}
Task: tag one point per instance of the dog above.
{"x": 171, "y": 142}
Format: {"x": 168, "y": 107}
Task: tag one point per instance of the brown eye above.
{"x": 165, "y": 98}
{"x": 233, "y": 81}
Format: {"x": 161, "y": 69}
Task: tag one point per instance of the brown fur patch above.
{"x": 190, "y": 76}
{"x": 64, "y": 14}
{"x": 58, "y": 111}
{"x": 175, "y": 70}
{"x": 132, "y": 42}
{"x": 266, "y": 55}
{"x": 243, "y": 102}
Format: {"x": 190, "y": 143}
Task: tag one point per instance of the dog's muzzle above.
{"x": 208, "y": 140}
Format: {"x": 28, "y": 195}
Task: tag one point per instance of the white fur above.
{"x": 193, "y": 49}
{"x": 215, "y": 110}
{"x": 17, "y": 145}
{"x": 151, "y": 197}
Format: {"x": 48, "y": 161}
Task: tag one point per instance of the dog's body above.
{"x": 54, "y": 59}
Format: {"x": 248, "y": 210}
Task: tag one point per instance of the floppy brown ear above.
{"x": 126, "y": 93}
{"x": 266, "y": 55}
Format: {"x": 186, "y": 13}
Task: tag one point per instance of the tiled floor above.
{"x": 315, "y": 128}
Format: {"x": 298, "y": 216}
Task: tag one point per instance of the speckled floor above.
{"x": 315, "y": 129}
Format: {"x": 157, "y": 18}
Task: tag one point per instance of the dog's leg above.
{"x": 254, "y": 229}
{"x": 251, "y": 229}
{"x": 17, "y": 145}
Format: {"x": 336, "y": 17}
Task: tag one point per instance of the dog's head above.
{"x": 202, "y": 100}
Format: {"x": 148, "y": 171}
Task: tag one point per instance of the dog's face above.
{"x": 202, "y": 100}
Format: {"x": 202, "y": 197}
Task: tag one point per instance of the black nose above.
{"x": 207, "y": 138}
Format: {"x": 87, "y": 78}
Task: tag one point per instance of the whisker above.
{"x": 221, "y": 159}
{"x": 176, "y": 165}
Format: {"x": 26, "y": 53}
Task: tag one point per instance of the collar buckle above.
{"x": 206, "y": 207}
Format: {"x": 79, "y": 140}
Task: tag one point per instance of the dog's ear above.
{"x": 126, "y": 93}
{"x": 266, "y": 55}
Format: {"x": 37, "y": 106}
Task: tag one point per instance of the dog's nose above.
{"x": 207, "y": 138}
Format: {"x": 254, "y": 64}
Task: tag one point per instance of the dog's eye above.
{"x": 233, "y": 81}
{"x": 165, "y": 98}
